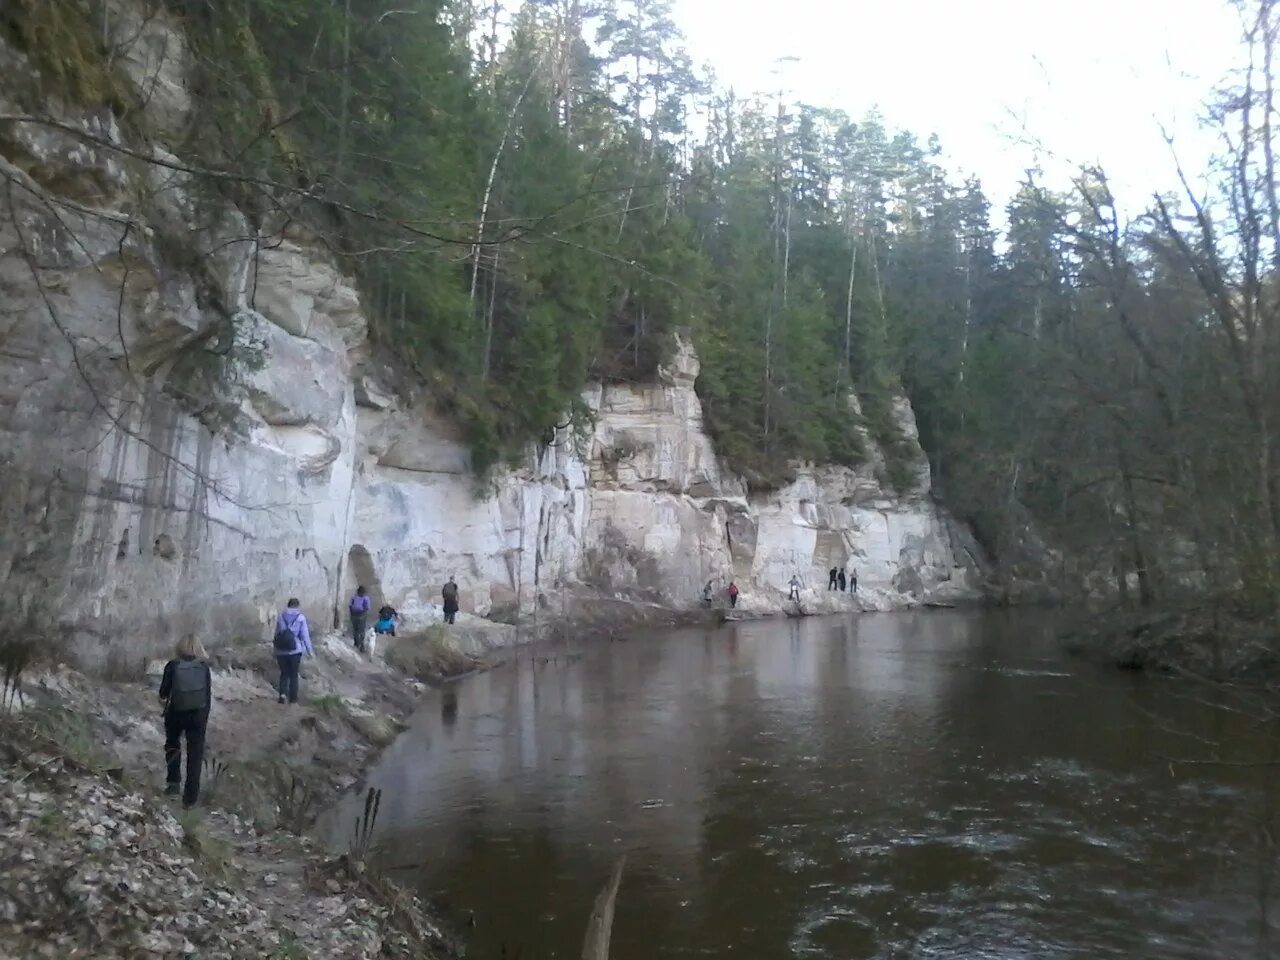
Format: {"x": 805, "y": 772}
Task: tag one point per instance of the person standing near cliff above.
{"x": 359, "y": 609}
{"x": 292, "y": 640}
{"x": 450, "y": 594}
{"x": 853, "y": 581}
{"x": 732, "y": 591}
{"x": 186, "y": 689}
{"x": 387, "y": 620}
{"x": 841, "y": 583}
{"x": 795, "y": 587}
{"x": 831, "y": 578}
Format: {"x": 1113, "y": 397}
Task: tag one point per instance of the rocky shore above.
{"x": 96, "y": 862}
{"x": 1217, "y": 642}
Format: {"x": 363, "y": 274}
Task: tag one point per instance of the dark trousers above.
{"x": 449, "y": 614}
{"x": 189, "y": 724}
{"x": 733, "y": 599}
{"x": 289, "y": 664}
{"x": 357, "y": 630}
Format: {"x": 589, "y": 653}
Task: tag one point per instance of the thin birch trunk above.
{"x": 488, "y": 185}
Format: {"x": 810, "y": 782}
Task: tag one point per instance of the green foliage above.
{"x": 60, "y": 39}
{"x": 516, "y": 235}
{"x": 526, "y": 215}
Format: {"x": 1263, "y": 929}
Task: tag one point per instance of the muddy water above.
{"x": 911, "y": 785}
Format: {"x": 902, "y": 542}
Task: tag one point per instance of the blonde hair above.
{"x": 190, "y": 646}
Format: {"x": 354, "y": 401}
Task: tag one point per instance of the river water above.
{"x": 931, "y": 784}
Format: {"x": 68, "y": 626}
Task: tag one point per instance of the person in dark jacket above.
{"x": 831, "y": 579}
{"x": 186, "y": 689}
{"x": 841, "y": 582}
{"x": 359, "y": 607}
{"x": 450, "y": 594}
{"x": 292, "y": 621}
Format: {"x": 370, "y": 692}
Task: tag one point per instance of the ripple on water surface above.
{"x": 846, "y": 789}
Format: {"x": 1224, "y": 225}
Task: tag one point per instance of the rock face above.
{"x": 191, "y": 432}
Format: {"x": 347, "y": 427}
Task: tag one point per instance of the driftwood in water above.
{"x": 600, "y": 926}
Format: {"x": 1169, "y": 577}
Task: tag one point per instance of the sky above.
{"x": 1090, "y": 81}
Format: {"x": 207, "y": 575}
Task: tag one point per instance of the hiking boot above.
{"x": 172, "y": 789}
{"x": 280, "y": 699}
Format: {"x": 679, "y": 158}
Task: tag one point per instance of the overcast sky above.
{"x": 1090, "y": 79}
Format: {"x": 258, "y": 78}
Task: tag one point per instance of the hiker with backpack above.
{"x": 186, "y": 689}
{"x": 292, "y": 639}
{"x": 450, "y": 595}
{"x": 359, "y": 609}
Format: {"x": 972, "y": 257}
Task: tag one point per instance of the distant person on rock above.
{"x": 186, "y": 688}
{"x": 831, "y": 581}
{"x": 708, "y": 594}
{"x": 360, "y": 604}
{"x": 387, "y": 620}
{"x": 853, "y": 581}
{"x": 450, "y": 594}
{"x": 840, "y": 580}
{"x": 732, "y": 591}
{"x": 292, "y": 639}
{"x": 795, "y": 587}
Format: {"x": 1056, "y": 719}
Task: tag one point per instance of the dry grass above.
{"x": 376, "y": 728}
{"x": 69, "y": 734}
{"x": 213, "y": 853}
{"x": 430, "y": 656}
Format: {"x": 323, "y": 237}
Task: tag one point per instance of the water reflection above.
{"x": 931, "y": 785}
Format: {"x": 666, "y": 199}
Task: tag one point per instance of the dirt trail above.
{"x": 97, "y": 862}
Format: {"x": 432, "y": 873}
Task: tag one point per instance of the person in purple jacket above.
{"x": 291, "y": 623}
{"x": 359, "y": 609}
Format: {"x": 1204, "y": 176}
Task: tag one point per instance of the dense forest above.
{"x": 535, "y": 194}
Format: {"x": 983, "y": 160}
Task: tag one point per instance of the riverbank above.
{"x": 97, "y": 862}
{"x": 81, "y": 779}
{"x": 1209, "y": 641}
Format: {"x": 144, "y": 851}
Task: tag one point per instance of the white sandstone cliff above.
{"x": 189, "y": 433}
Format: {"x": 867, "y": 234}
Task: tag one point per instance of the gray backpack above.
{"x": 190, "y": 690}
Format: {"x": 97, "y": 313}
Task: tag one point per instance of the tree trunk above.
{"x": 488, "y": 185}
{"x": 489, "y": 315}
{"x": 344, "y": 100}
{"x": 1146, "y": 595}
{"x": 847, "y": 370}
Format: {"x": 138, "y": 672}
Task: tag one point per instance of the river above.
{"x": 933, "y": 784}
